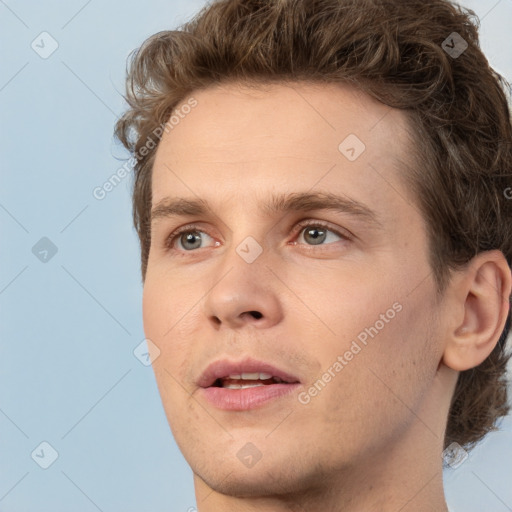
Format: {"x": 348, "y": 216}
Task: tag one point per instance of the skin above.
{"x": 372, "y": 439}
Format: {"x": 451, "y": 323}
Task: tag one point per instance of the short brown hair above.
{"x": 397, "y": 52}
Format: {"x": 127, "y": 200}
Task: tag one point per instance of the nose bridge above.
{"x": 247, "y": 230}
{"x": 248, "y": 253}
{"x": 242, "y": 290}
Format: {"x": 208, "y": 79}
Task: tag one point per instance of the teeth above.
{"x": 242, "y": 386}
{"x": 250, "y": 376}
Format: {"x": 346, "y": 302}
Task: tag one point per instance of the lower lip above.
{"x": 248, "y": 398}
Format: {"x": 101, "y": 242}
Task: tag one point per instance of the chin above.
{"x": 249, "y": 483}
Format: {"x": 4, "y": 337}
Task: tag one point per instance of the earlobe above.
{"x": 483, "y": 291}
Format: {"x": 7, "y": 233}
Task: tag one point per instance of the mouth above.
{"x": 247, "y": 373}
{"x": 248, "y": 380}
{"x": 243, "y": 385}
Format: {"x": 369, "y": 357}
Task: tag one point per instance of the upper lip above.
{"x": 224, "y": 367}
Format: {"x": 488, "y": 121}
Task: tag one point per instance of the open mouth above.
{"x": 245, "y": 385}
{"x": 243, "y": 374}
{"x": 247, "y": 380}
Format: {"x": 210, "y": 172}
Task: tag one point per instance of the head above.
{"x": 265, "y": 96}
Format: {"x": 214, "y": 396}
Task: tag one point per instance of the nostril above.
{"x": 256, "y": 314}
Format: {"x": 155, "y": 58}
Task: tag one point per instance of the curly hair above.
{"x": 397, "y": 52}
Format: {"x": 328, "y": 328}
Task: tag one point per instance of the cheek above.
{"x": 341, "y": 304}
{"x": 167, "y": 317}
{"x": 376, "y": 324}
{"x": 167, "y": 304}
{"x": 384, "y": 382}
{"x": 153, "y": 312}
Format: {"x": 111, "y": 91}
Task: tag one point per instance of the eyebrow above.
{"x": 278, "y": 203}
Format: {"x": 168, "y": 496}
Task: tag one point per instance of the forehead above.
{"x": 290, "y": 136}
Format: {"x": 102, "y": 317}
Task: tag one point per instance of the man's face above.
{"x": 350, "y": 288}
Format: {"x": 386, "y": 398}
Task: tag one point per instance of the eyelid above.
{"x": 172, "y": 238}
{"x": 341, "y": 232}
{"x": 299, "y": 226}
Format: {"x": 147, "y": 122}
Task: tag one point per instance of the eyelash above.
{"x": 191, "y": 228}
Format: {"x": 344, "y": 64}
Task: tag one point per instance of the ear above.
{"x": 478, "y": 305}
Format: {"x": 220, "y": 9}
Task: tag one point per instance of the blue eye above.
{"x": 186, "y": 236}
{"x": 317, "y": 233}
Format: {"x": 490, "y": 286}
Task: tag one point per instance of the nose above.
{"x": 246, "y": 294}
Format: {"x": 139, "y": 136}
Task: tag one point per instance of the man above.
{"x": 321, "y": 200}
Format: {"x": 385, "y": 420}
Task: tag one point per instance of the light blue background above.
{"x": 69, "y": 326}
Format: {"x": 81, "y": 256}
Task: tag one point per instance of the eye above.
{"x": 188, "y": 236}
{"x": 316, "y": 233}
